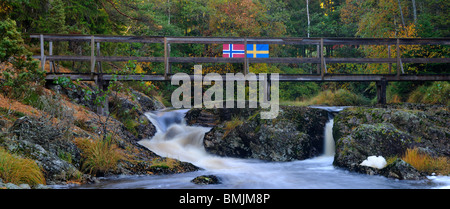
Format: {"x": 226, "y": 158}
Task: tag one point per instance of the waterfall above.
{"x": 328, "y": 138}
{"x": 328, "y": 142}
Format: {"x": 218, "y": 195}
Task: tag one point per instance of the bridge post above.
{"x": 102, "y": 85}
{"x": 92, "y": 55}
{"x": 381, "y": 91}
{"x": 50, "y": 53}
{"x": 322, "y": 59}
{"x": 99, "y": 64}
{"x": 42, "y": 52}
{"x": 166, "y": 58}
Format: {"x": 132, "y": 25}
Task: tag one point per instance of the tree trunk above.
{"x": 414, "y": 11}
{"x": 307, "y": 14}
{"x": 401, "y": 13}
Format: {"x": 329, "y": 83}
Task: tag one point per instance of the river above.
{"x": 177, "y": 140}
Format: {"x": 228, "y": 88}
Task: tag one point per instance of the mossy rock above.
{"x": 206, "y": 179}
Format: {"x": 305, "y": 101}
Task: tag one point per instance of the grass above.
{"x": 436, "y": 93}
{"x": 425, "y": 163}
{"x": 18, "y": 170}
{"x": 99, "y": 156}
{"x": 341, "y": 97}
{"x": 167, "y": 163}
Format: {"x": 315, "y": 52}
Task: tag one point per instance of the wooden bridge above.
{"x": 320, "y": 75}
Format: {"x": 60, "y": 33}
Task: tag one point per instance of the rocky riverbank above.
{"x": 55, "y": 138}
{"x": 360, "y": 132}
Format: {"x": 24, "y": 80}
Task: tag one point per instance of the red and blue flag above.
{"x": 234, "y": 50}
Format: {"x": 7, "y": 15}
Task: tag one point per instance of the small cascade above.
{"x": 329, "y": 140}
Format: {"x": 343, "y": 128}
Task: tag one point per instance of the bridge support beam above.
{"x": 381, "y": 91}
{"x": 102, "y": 85}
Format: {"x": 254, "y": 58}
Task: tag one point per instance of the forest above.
{"x": 242, "y": 18}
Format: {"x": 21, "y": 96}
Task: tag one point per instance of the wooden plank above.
{"x": 282, "y": 77}
{"x": 389, "y": 56}
{"x": 241, "y": 60}
{"x": 102, "y": 38}
{"x": 166, "y": 57}
{"x": 42, "y": 52}
{"x": 322, "y": 59}
{"x": 50, "y": 53}
{"x": 99, "y": 63}
{"x": 246, "y": 70}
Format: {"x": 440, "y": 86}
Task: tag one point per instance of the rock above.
{"x": 297, "y": 133}
{"x": 399, "y": 169}
{"x": 360, "y": 132}
{"x": 12, "y": 186}
{"x": 24, "y": 186}
{"x": 148, "y": 103}
{"x": 368, "y": 140}
{"x": 206, "y": 179}
{"x": 41, "y": 186}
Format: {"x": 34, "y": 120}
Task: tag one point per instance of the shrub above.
{"x": 18, "y": 170}
{"x": 436, "y": 93}
{"x": 99, "y": 156}
{"x": 23, "y": 74}
{"x": 165, "y": 163}
{"x": 425, "y": 163}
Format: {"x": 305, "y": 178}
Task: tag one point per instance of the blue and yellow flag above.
{"x": 257, "y": 50}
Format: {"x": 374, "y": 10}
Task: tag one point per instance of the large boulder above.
{"x": 40, "y": 141}
{"x": 297, "y": 133}
{"x": 360, "y": 132}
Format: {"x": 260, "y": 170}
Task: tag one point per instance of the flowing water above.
{"x": 175, "y": 139}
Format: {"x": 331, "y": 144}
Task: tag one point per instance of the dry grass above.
{"x": 17, "y": 170}
{"x": 14, "y": 105}
{"x": 164, "y": 163}
{"x": 340, "y": 97}
{"x": 99, "y": 156}
{"x": 425, "y": 163}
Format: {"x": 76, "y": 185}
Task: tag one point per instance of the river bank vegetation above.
{"x": 56, "y": 125}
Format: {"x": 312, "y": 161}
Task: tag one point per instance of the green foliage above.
{"x": 261, "y": 18}
{"x": 23, "y": 74}
{"x": 434, "y": 93}
{"x": 340, "y": 97}
{"x": 11, "y": 42}
{"x": 298, "y": 90}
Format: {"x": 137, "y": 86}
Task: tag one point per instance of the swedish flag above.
{"x": 257, "y": 50}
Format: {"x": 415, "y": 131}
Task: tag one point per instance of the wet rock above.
{"x": 360, "y": 132}
{"x": 148, "y": 103}
{"x": 399, "y": 169}
{"x": 381, "y": 139}
{"x": 206, "y": 179}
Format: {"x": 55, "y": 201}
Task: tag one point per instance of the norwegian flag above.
{"x": 234, "y": 50}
